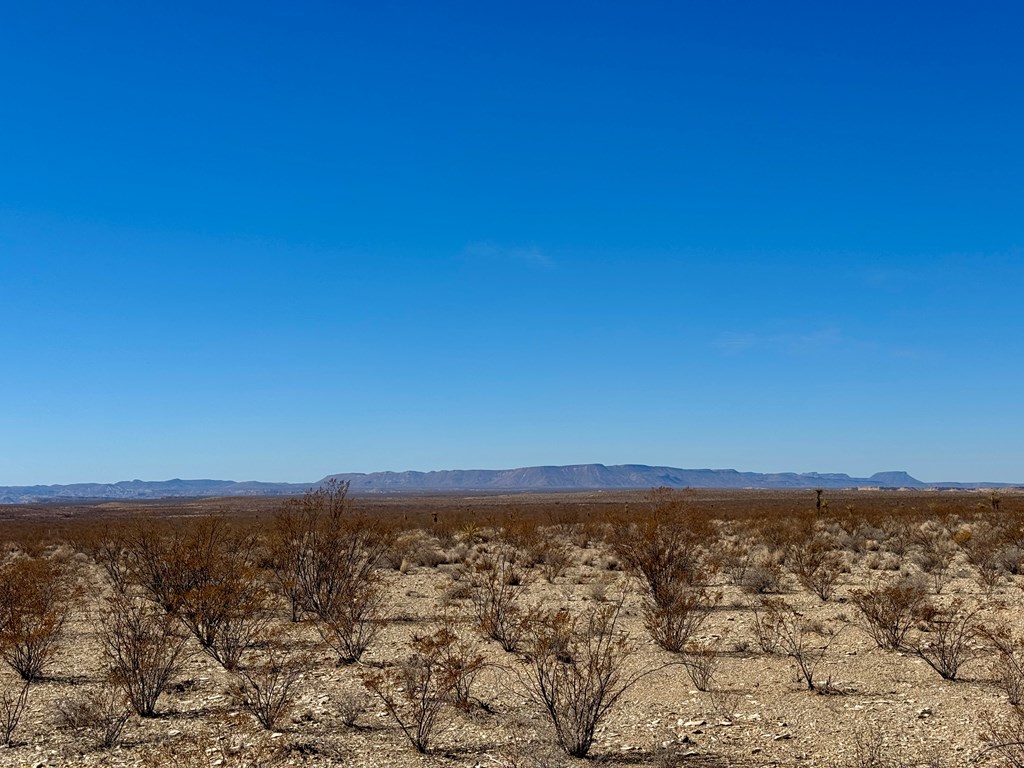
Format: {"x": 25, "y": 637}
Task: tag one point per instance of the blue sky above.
{"x": 274, "y": 241}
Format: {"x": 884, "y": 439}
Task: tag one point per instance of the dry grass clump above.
{"x": 99, "y": 715}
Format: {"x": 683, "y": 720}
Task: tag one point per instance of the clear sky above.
{"x": 278, "y": 240}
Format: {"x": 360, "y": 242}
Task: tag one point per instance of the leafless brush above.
{"x": 36, "y": 596}
{"x": 435, "y": 677}
{"x": 575, "y": 670}
{"x": 100, "y": 715}
{"x": 949, "y": 639}
{"x": 144, "y": 648}
{"x": 891, "y": 610}
{"x": 801, "y": 640}
{"x": 496, "y": 589}
{"x": 12, "y": 707}
{"x": 701, "y": 660}
{"x": 266, "y": 688}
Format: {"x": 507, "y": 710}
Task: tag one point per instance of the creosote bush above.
{"x": 575, "y": 671}
{"x": 144, "y": 648}
{"x": 890, "y": 610}
{"x": 325, "y": 559}
{"x": 785, "y": 630}
{"x": 679, "y": 614}
{"x": 266, "y": 687}
{"x": 1008, "y": 666}
{"x": 12, "y": 707}
{"x": 1003, "y": 738}
{"x": 435, "y": 678}
{"x": 36, "y": 597}
{"x": 816, "y": 564}
{"x": 667, "y": 546}
{"x": 701, "y": 661}
{"x": 949, "y": 638}
{"x": 206, "y": 573}
{"x": 496, "y": 586}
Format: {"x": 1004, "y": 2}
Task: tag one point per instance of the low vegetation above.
{"x": 516, "y": 632}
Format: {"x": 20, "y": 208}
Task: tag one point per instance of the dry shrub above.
{"x": 1008, "y": 667}
{"x": 816, "y": 564}
{"x": 207, "y": 574}
{"x": 12, "y": 707}
{"x": 496, "y": 590}
{"x": 106, "y": 546}
{"x": 669, "y": 545}
{"x": 679, "y": 615}
{"x": 890, "y": 610}
{"x": 669, "y": 551}
{"x": 350, "y": 623}
{"x": 266, "y": 689}
{"x": 155, "y": 553}
{"x": 435, "y": 677}
{"x": 552, "y": 554}
{"x": 144, "y": 648}
{"x": 223, "y": 601}
{"x": 415, "y": 547}
{"x": 871, "y": 751}
{"x": 701, "y": 660}
{"x": 948, "y": 639}
{"x": 325, "y": 561}
{"x": 1012, "y": 559}
{"x": 36, "y": 597}
{"x": 99, "y": 715}
{"x": 350, "y": 708}
{"x": 763, "y": 576}
{"x": 785, "y": 630}
{"x": 896, "y": 535}
{"x": 985, "y": 551}
{"x": 935, "y": 552}
{"x": 735, "y": 559}
{"x": 877, "y": 562}
{"x": 461, "y": 659}
{"x": 1003, "y": 739}
{"x": 575, "y": 671}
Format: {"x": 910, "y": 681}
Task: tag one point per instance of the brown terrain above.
{"x": 750, "y": 624}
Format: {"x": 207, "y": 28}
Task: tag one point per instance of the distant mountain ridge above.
{"x": 554, "y": 478}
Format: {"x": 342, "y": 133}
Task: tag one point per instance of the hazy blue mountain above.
{"x": 572, "y": 477}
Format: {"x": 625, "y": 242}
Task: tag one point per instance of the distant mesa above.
{"x": 574, "y": 477}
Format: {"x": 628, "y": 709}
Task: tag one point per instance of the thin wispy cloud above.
{"x": 827, "y": 337}
{"x": 813, "y": 341}
{"x": 530, "y": 255}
